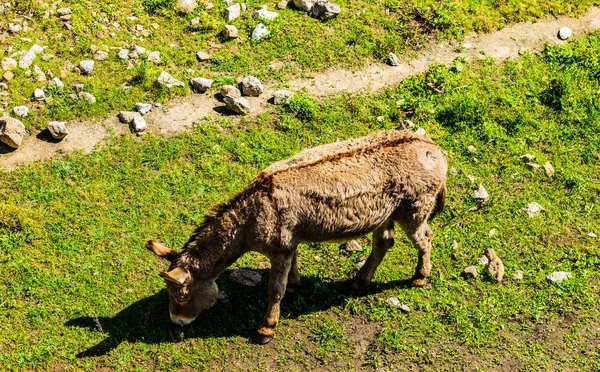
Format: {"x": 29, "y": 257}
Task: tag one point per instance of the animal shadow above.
{"x": 147, "y": 320}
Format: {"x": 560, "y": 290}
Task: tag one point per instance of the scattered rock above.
{"x": 564, "y": 33}
{"x": 282, "y": 4}
{"x": 394, "y": 302}
{"x": 325, "y": 9}
{"x": 36, "y": 49}
{"x": 259, "y": 32}
{"x": 186, "y": 6}
{"x": 592, "y": 235}
{"x": 495, "y": 267}
{"x": 123, "y": 53}
{"x": 527, "y": 157}
{"x": 8, "y": 76}
{"x": 21, "y": 111}
{"x": 305, "y": 5}
{"x": 480, "y": 194}
{"x": 202, "y": 56}
{"x": 230, "y": 32}
{"x": 222, "y": 297}
{"x": 230, "y": 91}
{"x": 63, "y": 11}
{"x": 263, "y": 13}
{"x": 470, "y": 272}
{"x": 353, "y": 246}
{"x": 100, "y": 55}
{"x": 471, "y": 149}
{"x": 238, "y": 105}
{"x": 86, "y": 66}
{"x": 483, "y": 260}
{"x": 517, "y": 275}
{"x": 549, "y": 169}
{"x": 533, "y": 166}
{"x": 139, "y": 124}
{"x": 39, "y": 95}
{"x": 282, "y": 97}
{"x": 393, "y": 59}
{"x": 154, "y": 57}
{"x": 56, "y": 82}
{"x": 58, "y": 129}
{"x": 201, "y": 84}
{"x": 8, "y": 64}
{"x": 420, "y": 132}
{"x": 26, "y": 59}
{"x": 251, "y": 86}
{"x": 126, "y": 117}
{"x": 471, "y": 178}
{"x": 77, "y": 87}
{"x": 14, "y": 28}
{"x": 165, "y": 79}
{"x": 138, "y": 49}
{"x": 87, "y": 97}
{"x": 233, "y": 12}
{"x": 492, "y": 232}
{"x": 532, "y": 209}
{"x": 558, "y": 276}
{"x": 3, "y": 86}
{"x": 143, "y": 108}
{"x": 12, "y": 131}
{"x": 246, "y": 277}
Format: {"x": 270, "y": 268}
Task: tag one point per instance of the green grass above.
{"x": 76, "y": 278}
{"x": 297, "y": 44}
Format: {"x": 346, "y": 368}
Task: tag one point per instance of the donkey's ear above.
{"x": 161, "y": 251}
{"x": 178, "y": 275}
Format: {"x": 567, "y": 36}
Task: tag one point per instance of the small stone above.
{"x": 549, "y": 169}
{"x": 195, "y": 22}
{"x": 86, "y": 67}
{"x": 592, "y": 235}
{"x": 143, "y": 108}
{"x": 3, "y": 86}
{"x": 246, "y": 277}
{"x": 282, "y": 4}
{"x": 471, "y": 178}
{"x": 233, "y": 12}
{"x": 165, "y": 79}
{"x": 393, "y": 301}
{"x": 237, "y": 105}
{"x": 231, "y": 91}
{"x": 470, "y": 272}
{"x": 138, "y": 49}
{"x": 56, "y": 82}
{"x": 186, "y": 6}
{"x": 480, "y": 194}
{"x": 420, "y": 132}
{"x": 564, "y": 33}
{"x": 21, "y": 111}
{"x": 353, "y": 246}
{"x": 100, "y": 55}
{"x": 282, "y": 97}
{"x": 496, "y": 269}
{"x": 230, "y": 32}
{"x": 533, "y": 166}
{"x": 39, "y": 95}
{"x": 492, "y": 232}
{"x": 87, "y": 97}
{"x": 77, "y": 87}
{"x": 9, "y": 64}
{"x": 263, "y": 13}
{"x": 222, "y": 297}
{"x": 14, "y": 28}
{"x": 8, "y": 76}
{"x": 259, "y": 32}
{"x": 393, "y": 59}
{"x": 63, "y": 11}
{"x": 58, "y": 129}
{"x": 404, "y": 308}
{"x": 123, "y": 53}
{"x": 325, "y": 9}
{"x": 305, "y": 5}
{"x": 154, "y": 57}
{"x": 527, "y": 157}
{"x": 126, "y": 117}
{"x": 558, "y": 276}
{"x": 532, "y": 209}
{"x": 202, "y": 56}
{"x": 251, "y": 86}
{"x": 471, "y": 149}
{"x": 26, "y": 59}
{"x": 201, "y": 84}
{"x": 483, "y": 260}
{"x": 408, "y": 124}
{"x": 139, "y": 124}
{"x": 517, "y": 275}
{"x": 36, "y": 49}
{"x": 12, "y": 131}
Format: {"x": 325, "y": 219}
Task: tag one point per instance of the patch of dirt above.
{"x": 181, "y": 114}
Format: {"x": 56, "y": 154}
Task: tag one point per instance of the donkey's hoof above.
{"x": 263, "y": 340}
{"x": 356, "y": 287}
{"x": 265, "y": 335}
{"x": 420, "y": 283}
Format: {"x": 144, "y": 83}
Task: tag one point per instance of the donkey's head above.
{"x": 188, "y": 296}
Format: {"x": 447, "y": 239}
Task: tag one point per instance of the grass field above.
{"x": 80, "y": 291}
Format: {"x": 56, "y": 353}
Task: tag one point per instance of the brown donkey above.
{"x": 334, "y": 192}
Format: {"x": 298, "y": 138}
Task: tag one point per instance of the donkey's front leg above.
{"x": 280, "y": 268}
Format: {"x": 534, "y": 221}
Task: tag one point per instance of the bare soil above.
{"x": 182, "y": 113}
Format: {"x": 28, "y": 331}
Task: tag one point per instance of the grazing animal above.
{"x": 335, "y": 192}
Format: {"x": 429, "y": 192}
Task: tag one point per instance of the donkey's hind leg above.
{"x": 294, "y": 275}
{"x": 383, "y": 240}
{"x": 421, "y": 236}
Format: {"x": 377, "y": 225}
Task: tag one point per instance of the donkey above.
{"x": 331, "y": 193}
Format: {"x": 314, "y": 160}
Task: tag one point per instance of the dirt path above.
{"x": 180, "y": 114}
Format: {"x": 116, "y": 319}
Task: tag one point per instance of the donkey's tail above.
{"x": 439, "y": 202}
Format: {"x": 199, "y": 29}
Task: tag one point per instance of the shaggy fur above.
{"x": 334, "y": 192}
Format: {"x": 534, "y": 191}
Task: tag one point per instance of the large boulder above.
{"x": 12, "y": 131}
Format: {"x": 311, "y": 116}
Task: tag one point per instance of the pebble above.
{"x": 12, "y": 131}
{"x": 139, "y": 124}
{"x": 394, "y": 302}
{"x": 8, "y": 76}
{"x": 87, "y": 97}
{"x": 123, "y": 53}
{"x": 230, "y": 32}
{"x": 56, "y": 82}
{"x": 233, "y": 12}
{"x": 259, "y": 32}
{"x": 231, "y": 91}
{"x": 58, "y": 129}
{"x": 564, "y": 33}
{"x": 558, "y": 276}
{"x": 483, "y": 260}
{"x": 39, "y": 95}
{"x": 138, "y": 49}
{"x": 186, "y": 6}
{"x": 495, "y": 267}
{"x": 528, "y": 157}
{"x": 533, "y": 166}
{"x": 21, "y": 111}
{"x": 305, "y": 5}
{"x": 282, "y": 4}
{"x": 471, "y": 149}
{"x": 143, "y": 108}
{"x": 532, "y": 209}
{"x": 63, "y": 11}
{"x": 8, "y": 64}
{"x": 517, "y": 275}
{"x": 100, "y": 55}
{"x": 393, "y": 59}
{"x": 480, "y": 194}
{"x": 325, "y": 9}
{"x": 251, "y": 86}
{"x": 3, "y": 86}
{"x": 36, "y": 49}
{"x": 165, "y": 79}
{"x": 86, "y": 66}
{"x": 592, "y": 235}
{"x": 470, "y": 272}
{"x": 238, "y": 105}
{"x": 263, "y": 13}
{"x": 353, "y": 246}
{"x": 154, "y": 57}
{"x": 77, "y": 87}
{"x": 26, "y": 59}
{"x": 282, "y": 97}
{"x": 126, "y": 117}
{"x": 246, "y": 277}
{"x": 202, "y": 56}
{"x": 471, "y": 178}
{"x": 201, "y": 84}
{"x": 549, "y": 169}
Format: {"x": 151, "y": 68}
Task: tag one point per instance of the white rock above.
{"x": 63, "y": 11}
{"x": 527, "y": 157}
{"x": 36, "y": 49}
{"x": 251, "y": 86}
{"x": 126, "y": 117}
{"x": 231, "y": 91}
{"x": 100, "y": 55}
{"x": 186, "y": 6}
{"x": 263, "y": 13}
{"x": 471, "y": 148}
{"x": 404, "y": 308}
{"x": 353, "y": 246}
{"x": 393, "y": 301}
{"x": 420, "y": 132}
{"x": 21, "y": 111}
{"x": 154, "y": 57}
{"x": 86, "y": 66}
{"x": 564, "y": 33}
{"x": 139, "y": 124}
{"x": 9, "y": 64}
{"x": 12, "y": 131}
{"x": 233, "y": 12}
{"x": 517, "y": 275}
{"x": 165, "y": 79}
{"x": 26, "y": 59}
{"x": 246, "y": 277}
{"x": 39, "y": 94}
{"x": 483, "y": 260}
{"x": 282, "y": 97}
{"x": 532, "y": 209}
{"x": 123, "y": 53}
{"x": 325, "y": 9}
{"x": 549, "y": 169}
{"x": 238, "y": 105}
{"x": 230, "y": 32}
{"x": 143, "y": 108}
{"x": 533, "y": 166}
{"x": 558, "y": 276}
{"x": 592, "y": 235}
{"x": 305, "y": 5}
{"x": 202, "y": 56}
{"x": 14, "y": 28}
{"x": 393, "y": 59}
{"x": 58, "y": 129}
{"x": 201, "y": 84}
{"x": 471, "y": 178}
{"x": 56, "y": 82}
{"x": 138, "y": 49}
{"x": 87, "y": 97}
{"x": 259, "y": 32}
{"x": 480, "y": 194}
{"x": 470, "y": 272}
